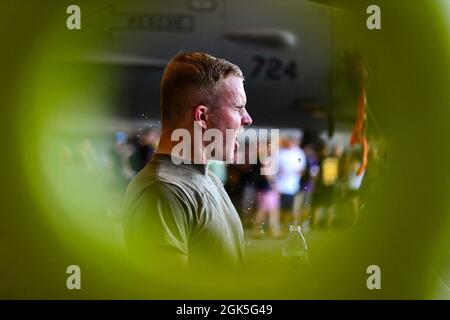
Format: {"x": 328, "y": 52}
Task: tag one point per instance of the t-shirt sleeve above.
{"x": 159, "y": 224}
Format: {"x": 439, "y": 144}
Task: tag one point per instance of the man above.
{"x": 180, "y": 215}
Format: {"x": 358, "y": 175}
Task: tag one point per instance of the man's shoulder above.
{"x": 145, "y": 184}
{"x": 158, "y": 181}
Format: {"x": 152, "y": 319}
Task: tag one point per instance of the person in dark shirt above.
{"x": 178, "y": 213}
{"x": 144, "y": 148}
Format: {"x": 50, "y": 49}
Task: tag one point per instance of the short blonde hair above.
{"x": 190, "y": 79}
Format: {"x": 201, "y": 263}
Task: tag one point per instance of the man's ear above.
{"x": 201, "y": 115}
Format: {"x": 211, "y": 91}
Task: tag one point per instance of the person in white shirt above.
{"x": 292, "y": 162}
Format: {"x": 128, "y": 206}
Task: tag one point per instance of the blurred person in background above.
{"x": 267, "y": 201}
{"x": 145, "y": 144}
{"x": 234, "y": 185}
{"x": 322, "y": 199}
{"x": 303, "y": 199}
{"x": 292, "y": 162}
{"x": 241, "y": 188}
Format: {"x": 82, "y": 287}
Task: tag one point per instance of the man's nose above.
{"x": 246, "y": 119}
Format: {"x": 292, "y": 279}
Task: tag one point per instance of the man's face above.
{"x": 230, "y": 113}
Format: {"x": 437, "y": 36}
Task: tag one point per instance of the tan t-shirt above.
{"x": 182, "y": 210}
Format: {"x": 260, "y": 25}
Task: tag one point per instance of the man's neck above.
{"x": 166, "y": 146}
